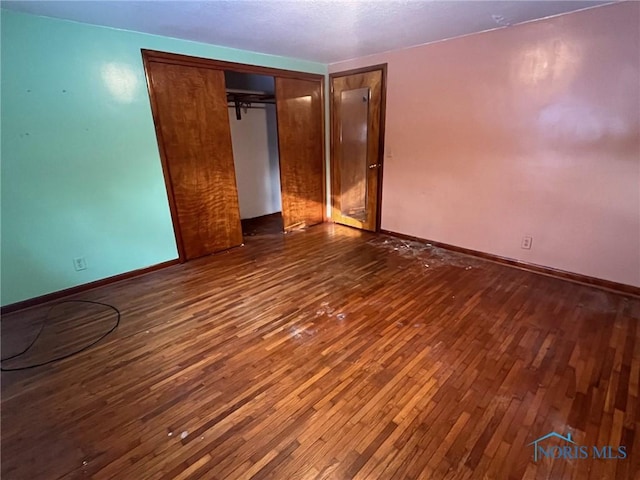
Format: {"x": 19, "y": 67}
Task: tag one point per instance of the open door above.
{"x": 357, "y": 123}
{"x": 189, "y": 106}
{"x": 300, "y": 142}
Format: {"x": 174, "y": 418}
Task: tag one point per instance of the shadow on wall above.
{"x": 274, "y": 157}
{"x": 32, "y": 271}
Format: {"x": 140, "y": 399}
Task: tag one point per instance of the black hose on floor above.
{"x": 44, "y": 323}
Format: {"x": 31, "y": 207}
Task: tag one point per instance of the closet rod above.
{"x": 239, "y": 105}
{"x": 250, "y": 97}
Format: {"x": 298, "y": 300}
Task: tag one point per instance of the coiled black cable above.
{"x": 57, "y": 359}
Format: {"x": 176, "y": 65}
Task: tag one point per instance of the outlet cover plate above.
{"x": 526, "y": 242}
{"x": 79, "y": 263}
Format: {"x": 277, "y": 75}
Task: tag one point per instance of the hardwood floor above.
{"x": 327, "y": 353}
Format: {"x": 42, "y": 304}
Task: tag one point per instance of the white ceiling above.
{"x": 325, "y": 31}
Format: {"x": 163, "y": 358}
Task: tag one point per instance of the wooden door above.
{"x": 192, "y": 124}
{"x": 357, "y": 104}
{"x": 300, "y": 143}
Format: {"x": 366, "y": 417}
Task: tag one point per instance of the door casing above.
{"x": 380, "y": 160}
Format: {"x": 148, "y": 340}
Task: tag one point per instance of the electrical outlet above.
{"x": 79, "y": 263}
{"x": 526, "y": 243}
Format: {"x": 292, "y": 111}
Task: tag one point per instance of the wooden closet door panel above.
{"x": 191, "y": 113}
{"x": 300, "y": 141}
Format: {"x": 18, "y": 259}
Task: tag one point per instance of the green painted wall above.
{"x": 81, "y": 173}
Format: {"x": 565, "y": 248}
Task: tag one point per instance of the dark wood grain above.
{"x": 190, "y": 111}
{"x": 329, "y": 353}
{"x": 301, "y": 149}
{"x": 374, "y": 79}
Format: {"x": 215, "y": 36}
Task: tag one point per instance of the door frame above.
{"x": 383, "y": 114}
{"x": 149, "y": 56}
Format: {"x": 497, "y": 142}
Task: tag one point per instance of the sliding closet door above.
{"x": 300, "y": 141}
{"x": 190, "y": 111}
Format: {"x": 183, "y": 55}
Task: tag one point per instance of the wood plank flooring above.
{"x": 331, "y": 354}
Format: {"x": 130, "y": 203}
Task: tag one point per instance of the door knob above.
{"x": 375, "y": 165}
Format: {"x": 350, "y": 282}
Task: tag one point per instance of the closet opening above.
{"x": 254, "y": 136}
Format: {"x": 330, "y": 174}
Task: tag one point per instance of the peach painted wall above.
{"x": 531, "y": 130}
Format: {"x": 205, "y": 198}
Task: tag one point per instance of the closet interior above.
{"x": 254, "y": 136}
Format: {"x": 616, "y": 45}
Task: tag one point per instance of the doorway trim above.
{"x": 190, "y": 61}
{"x": 149, "y": 56}
{"x": 383, "y": 114}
